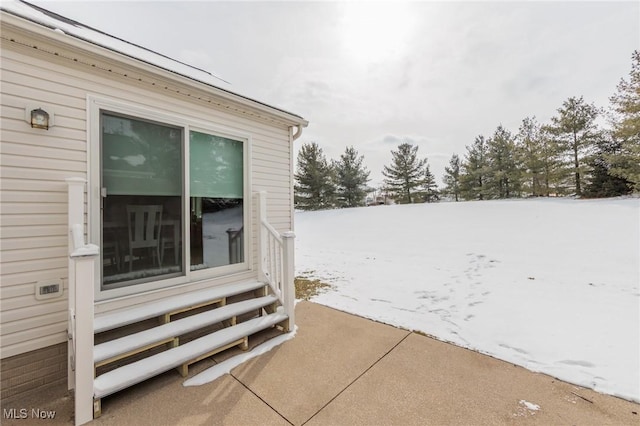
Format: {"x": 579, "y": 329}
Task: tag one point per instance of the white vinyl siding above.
{"x": 34, "y": 164}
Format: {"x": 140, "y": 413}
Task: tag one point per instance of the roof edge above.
{"x": 174, "y": 74}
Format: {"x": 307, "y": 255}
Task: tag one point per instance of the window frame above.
{"x": 96, "y": 106}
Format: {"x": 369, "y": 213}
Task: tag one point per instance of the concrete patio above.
{"x": 341, "y": 369}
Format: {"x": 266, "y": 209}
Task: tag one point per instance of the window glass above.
{"x": 141, "y": 158}
{"x": 216, "y": 200}
{"x": 141, "y": 200}
{"x": 143, "y": 205}
{"x": 215, "y": 166}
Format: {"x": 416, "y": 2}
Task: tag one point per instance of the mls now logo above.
{"x": 23, "y": 413}
{"x": 14, "y": 413}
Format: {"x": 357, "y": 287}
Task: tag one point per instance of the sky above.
{"x": 374, "y": 75}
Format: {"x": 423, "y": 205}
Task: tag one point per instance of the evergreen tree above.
{"x": 351, "y": 179}
{"x": 554, "y": 172}
{"x": 603, "y": 183}
{"x": 429, "y": 186}
{"x": 529, "y": 147}
{"x": 452, "y": 177}
{"x": 575, "y": 130}
{"x": 626, "y": 126}
{"x": 475, "y": 171}
{"x": 314, "y": 187}
{"x": 504, "y": 176}
{"x": 405, "y": 173}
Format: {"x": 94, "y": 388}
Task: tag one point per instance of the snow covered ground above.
{"x": 549, "y": 284}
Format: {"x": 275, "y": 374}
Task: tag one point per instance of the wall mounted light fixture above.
{"x": 38, "y": 118}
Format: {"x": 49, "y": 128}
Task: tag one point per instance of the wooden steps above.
{"x": 128, "y": 345}
{"x": 122, "y": 317}
{"x": 130, "y": 374}
{"x": 199, "y": 311}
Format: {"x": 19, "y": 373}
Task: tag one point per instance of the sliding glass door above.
{"x": 147, "y": 167}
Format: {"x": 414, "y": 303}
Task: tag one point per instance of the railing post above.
{"x": 261, "y": 208}
{"x": 81, "y": 272}
{"x": 83, "y": 336}
{"x": 288, "y": 276}
{"x": 75, "y": 212}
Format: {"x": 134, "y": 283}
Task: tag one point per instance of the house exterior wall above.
{"x": 39, "y": 369}
{"x": 34, "y": 164}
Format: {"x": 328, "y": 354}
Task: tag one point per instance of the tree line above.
{"x": 322, "y": 184}
{"x": 570, "y": 155}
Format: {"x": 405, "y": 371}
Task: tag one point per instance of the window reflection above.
{"x": 141, "y": 238}
{"x": 216, "y": 189}
{"x": 141, "y": 200}
{"x": 217, "y": 233}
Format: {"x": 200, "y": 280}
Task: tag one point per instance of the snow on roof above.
{"x": 83, "y": 32}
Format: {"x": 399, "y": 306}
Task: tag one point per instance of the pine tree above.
{"x": 405, "y": 173}
{"x": 602, "y": 182}
{"x": 554, "y": 172}
{"x": 626, "y": 126}
{"x": 504, "y": 176}
{"x": 529, "y": 147}
{"x": 314, "y": 187}
{"x": 575, "y": 130}
{"x": 475, "y": 168}
{"x": 351, "y": 179}
{"x": 429, "y": 186}
{"x": 452, "y": 177}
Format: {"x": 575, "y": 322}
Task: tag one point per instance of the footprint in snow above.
{"x": 520, "y": 351}
{"x": 578, "y": 363}
{"x": 403, "y": 309}
{"x": 349, "y": 297}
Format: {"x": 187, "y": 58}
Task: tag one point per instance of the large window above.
{"x": 147, "y": 167}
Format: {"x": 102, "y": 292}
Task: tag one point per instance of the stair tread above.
{"x": 126, "y": 316}
{"x": 176, "y": 328}
{"x": 133, "y": 373}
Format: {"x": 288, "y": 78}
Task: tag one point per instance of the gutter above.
{"x": 298, "y": 132}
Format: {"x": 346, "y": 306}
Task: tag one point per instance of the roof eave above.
{"x": 88, "y": 46}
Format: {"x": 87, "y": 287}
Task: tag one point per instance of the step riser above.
{"x": 158, "y": 335}
{"x": 134, "y": 373}
{"x": 204, "y": 310}
{"x": 122, "y": 317}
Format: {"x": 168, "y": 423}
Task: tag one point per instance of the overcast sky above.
{"x": 372, "y": 75}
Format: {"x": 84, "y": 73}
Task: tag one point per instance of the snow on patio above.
{"x": 548, "y": 284}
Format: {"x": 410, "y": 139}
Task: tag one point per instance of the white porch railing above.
{"x": 276, "y": 260}
{"x": 276, "y": 268}
{"x": 82, "y": 264}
